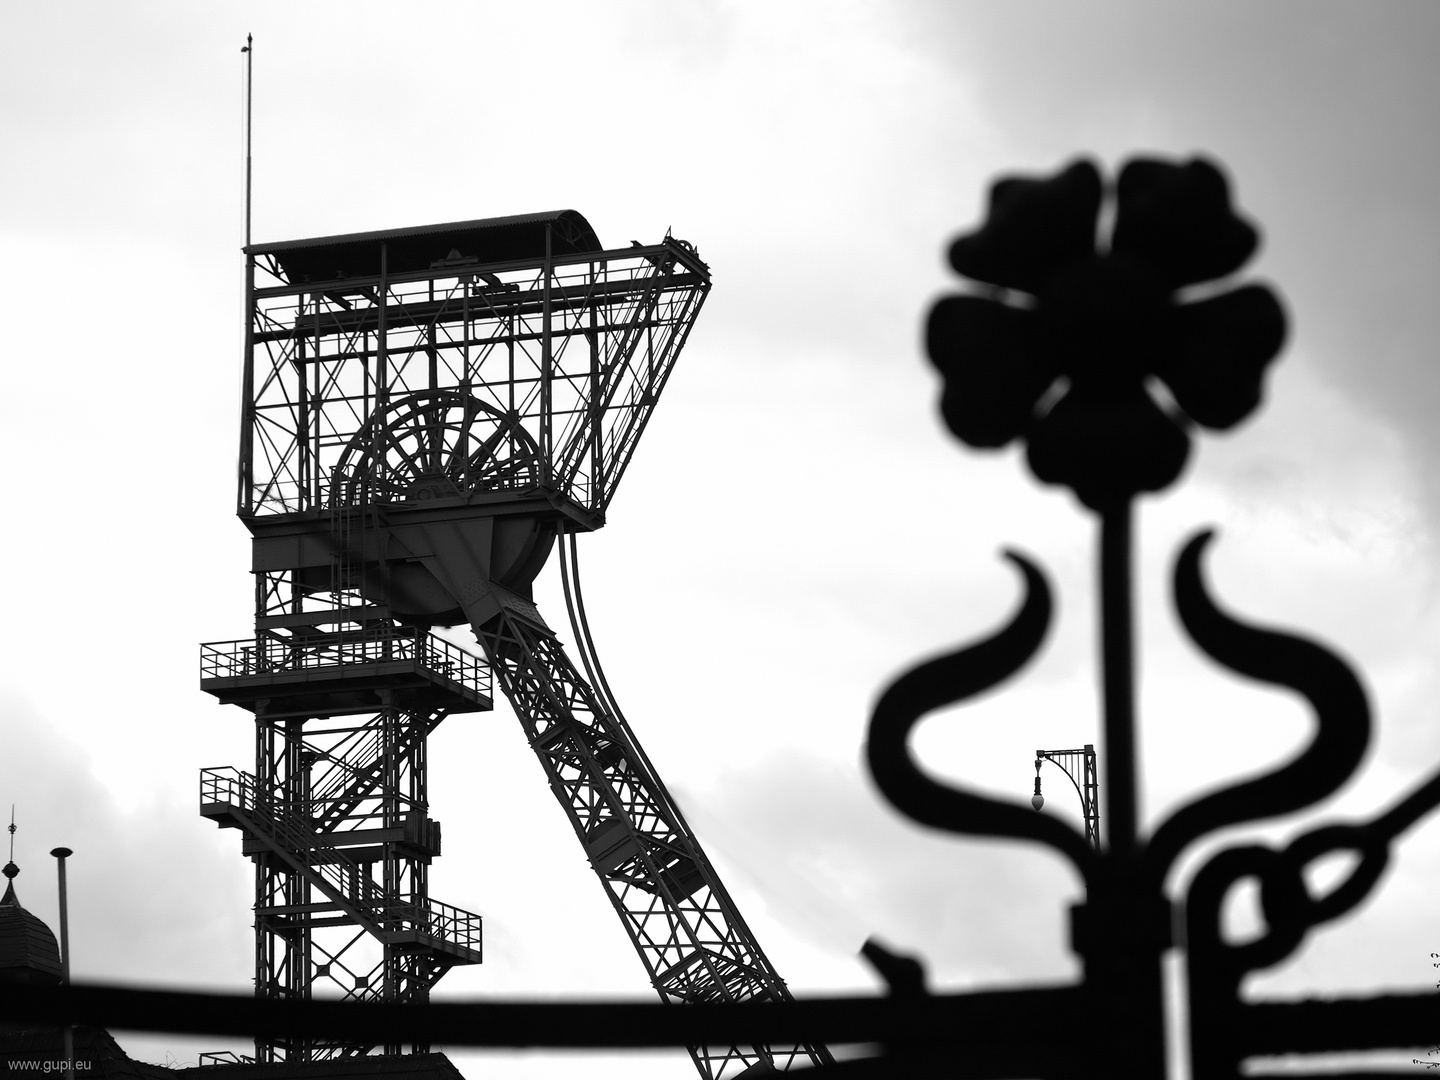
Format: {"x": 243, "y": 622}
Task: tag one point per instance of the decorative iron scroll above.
{"x": 1059, "y": 344}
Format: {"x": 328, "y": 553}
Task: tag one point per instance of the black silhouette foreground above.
{"x": 1062, "y": 343}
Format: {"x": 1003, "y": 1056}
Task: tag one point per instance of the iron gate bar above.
{"x": 1015, "y": 1021}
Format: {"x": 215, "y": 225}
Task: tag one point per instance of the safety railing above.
{"x": 270, "y": 656}
{"x": 336, "y": 774}
{"x": 450, "y": 924}
{"x": 271, "y": 815}
{"x": 278, "y": 812}
{"x": 227, "y": 785}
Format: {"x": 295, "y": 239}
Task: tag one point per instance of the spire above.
{"x": 28, "y": 950}
{"x": 10, "y": 869}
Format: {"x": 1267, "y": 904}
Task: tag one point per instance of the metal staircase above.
{"x": 446, "y": 935}
{"x": 336, "y": 821}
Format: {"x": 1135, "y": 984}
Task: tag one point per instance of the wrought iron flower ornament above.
{"x": 1099, "y": 352}
{"x": 1077, "y": 327}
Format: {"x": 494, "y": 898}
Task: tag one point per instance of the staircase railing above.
{"x": 270, "y": 816}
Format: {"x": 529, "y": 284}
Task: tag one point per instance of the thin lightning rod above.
{"x": 249, "y": 51}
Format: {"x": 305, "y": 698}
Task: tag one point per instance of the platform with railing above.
{"x": 342, "y": 673}
{"x": 431, "y": 925}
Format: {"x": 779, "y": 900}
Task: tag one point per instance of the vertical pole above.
{"x": 593, "y": 405}
{"x": 1092, "y": 798}
{"x": 1118, "y": 677}
{"x": 368, "y": 487}
{"x": 246, "y": 495}
{"x": 247, "y": 406}
{"x": 264, "y": 872}
{"x": 61, "y": 854}
{"x": 390, "y": 817}
{"x": 249, "y": 51}
{"x": 1124, "y": 942}
{"x": 382, "y": 340}
{"x": 546, "y": 434}
{"x": 303, "y": 421}
{"x": 467, "y": 332}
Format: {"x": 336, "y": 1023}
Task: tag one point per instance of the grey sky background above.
{"x": 796, "y": 528}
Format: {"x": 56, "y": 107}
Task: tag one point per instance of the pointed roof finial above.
{"x": 10, "y": 869}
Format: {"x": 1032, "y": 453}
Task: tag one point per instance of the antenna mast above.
{"x": 249, "y": 50}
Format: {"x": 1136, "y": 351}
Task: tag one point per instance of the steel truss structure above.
{"x": 335, "y": 816}
{"x": 426, "y": 411}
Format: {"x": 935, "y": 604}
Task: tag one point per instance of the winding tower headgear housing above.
{"x": 427, "y": 410}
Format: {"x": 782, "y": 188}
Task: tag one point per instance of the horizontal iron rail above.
{"x": 931, "y": 1021}
{"x": 474, "y": 340}
{"x": 625, "y": 258}
{"x": 425, "y": 313}
{"x": 251, "y": 657}
{"x": 994, "y": 1026}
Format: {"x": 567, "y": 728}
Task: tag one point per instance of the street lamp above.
{"x": 61, "y": 854}
{"x": 1086, "y": 786}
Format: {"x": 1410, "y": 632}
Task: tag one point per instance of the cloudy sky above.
{"x": 797, "y": 526}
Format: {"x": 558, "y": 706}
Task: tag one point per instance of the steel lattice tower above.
{"x": 426, "y": 412}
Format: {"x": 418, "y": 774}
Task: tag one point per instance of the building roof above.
{"x": 28, "y": 951}
{"x": 486, "y": 240}
{"x": 372, "y": 1067}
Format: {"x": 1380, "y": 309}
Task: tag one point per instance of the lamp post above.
{"x": 1080, "y": 761}
{"x": 61, "y": 854}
